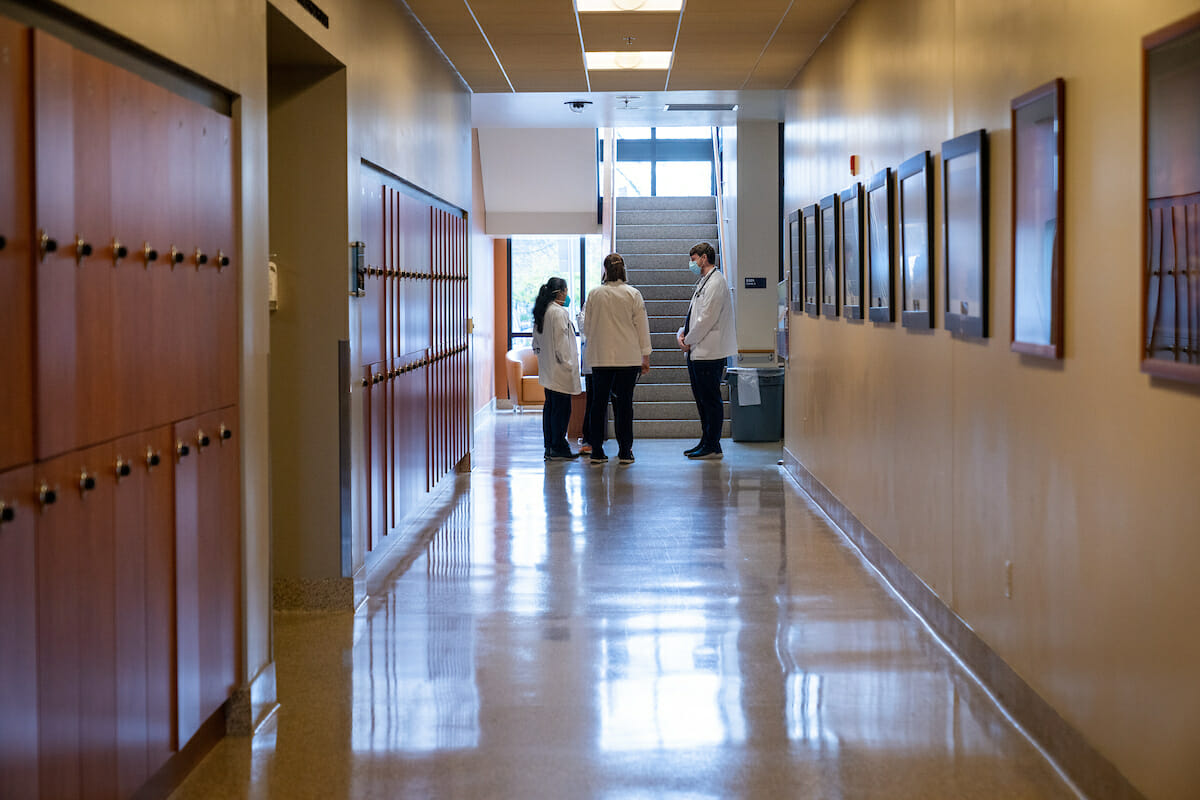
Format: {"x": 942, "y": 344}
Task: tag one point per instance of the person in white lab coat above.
{"x": 558, "y": 365}
{"x": 618, "y": 349}
{"x": 708, "y": 338}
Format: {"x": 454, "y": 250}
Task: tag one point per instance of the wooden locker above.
{"x": 186, "y": 468}
{"x": 18, "y": 635}
{"x": 77, "y": 705}
{"x": 16, "y": 298}
{"x": 95, "y": 365}
{"x": 220, "y": 557}
{"x": 143, "y": 524}
{"x": 374, "y": 428}
{"x": 185, "y": 323}
{"x": 214, "y": 245}
{"x": 153, "y": 460}
{"x": 131, "y": 311}
{"x": 56, "y": 426}
{"x": 149, "y": 249}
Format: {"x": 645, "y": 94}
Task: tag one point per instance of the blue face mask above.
{"x": 694, "y": 267}
{"x": 566, "y": 300}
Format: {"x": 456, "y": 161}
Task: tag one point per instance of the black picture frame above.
{"x": 1170, "y": 301}
{"x": 881, "y": 262}
{"x": 851, "y": 221}
{"x": 965, "y": 233}
{"x": 914, "y": 200}
{"x": 795, "y": 266}
{"x": 831, "y": 240}
{"x": 1038, "y": 174}
{"x": 810, "y": 237}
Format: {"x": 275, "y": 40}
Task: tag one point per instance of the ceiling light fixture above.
{"x": 628, "y": 59}
{"x": 600, "y": 6}
{"x": 577, "y": 106}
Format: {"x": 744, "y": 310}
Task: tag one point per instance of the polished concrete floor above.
{"x": 669, "y": 629}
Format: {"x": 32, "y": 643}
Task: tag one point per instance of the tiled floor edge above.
{"x": 1093, "y": 774}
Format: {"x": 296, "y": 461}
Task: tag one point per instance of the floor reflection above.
{"x": 668, "y": 630}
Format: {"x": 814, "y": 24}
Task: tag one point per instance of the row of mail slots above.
{"x": 121, "y": 638}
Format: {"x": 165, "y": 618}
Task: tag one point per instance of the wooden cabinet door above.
{"x": 187, "y": 580}
{"x": 18, "y": 636}
{"x": 77, "y": 708}
{"x": 16, "y": 299}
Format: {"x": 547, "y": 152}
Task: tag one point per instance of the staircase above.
{"x": 654, "y": 235}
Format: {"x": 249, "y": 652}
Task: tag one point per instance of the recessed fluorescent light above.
{"x": 700, "y": 107}
{"x": 586, "y": 6}
{"x": 628, "y": 59}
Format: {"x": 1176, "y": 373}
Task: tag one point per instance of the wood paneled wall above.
{"x": 119, "y": 469}
{"x": 415, "y": 370}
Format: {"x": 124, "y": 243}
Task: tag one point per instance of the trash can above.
{"x": 750, "y": 421}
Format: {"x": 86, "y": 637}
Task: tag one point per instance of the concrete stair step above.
{"x": 670, "y": 276}
{"x": 659, "y": 203}
{"x": 664, "y": 409}
{"x": 676, "y": 216}
{"x": 663, "y": 341}
{"x": 666, "y": 291}
{"x": 634, "y": 233}
{"x": 668, "y": 308}
{"x": 664, "y": 393}
{"x": 668, "y": 358}
{"x": 676, "y": 245}
{"x": 665, "y": 374}
{"x": 665, "y": 324}
{"x": 674, "y": 261}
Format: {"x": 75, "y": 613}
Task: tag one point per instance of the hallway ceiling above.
{"x": 719, "y": 48}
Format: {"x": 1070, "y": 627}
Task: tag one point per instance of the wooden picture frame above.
{"x": 795, "y": 268}
{"x": 965, "y": 233}
{"x": 1037, "y": 219}
{"x": 831, "y": 241}
{"x": 1170, "y": 307}
{"x": 881, "y": 263}
{"x": 914, "y": 196}
{"x": 810, "y": 237}
{"x": 851, "y": 214}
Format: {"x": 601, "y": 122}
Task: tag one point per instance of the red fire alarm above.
{"x": 854, "y": 165}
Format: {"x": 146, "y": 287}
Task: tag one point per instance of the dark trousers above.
{"x": 705, "y": 377}
{"x": 619, "y": 382}
{"x": 556, "y": 417}
{"x": 587, "y": 414}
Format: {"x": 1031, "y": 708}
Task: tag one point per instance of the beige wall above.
{"x": 757, "y": 252}
{"x": 483, "y": 290}
{"x": 407, "y": 112}
{"x": 962, "y": 455}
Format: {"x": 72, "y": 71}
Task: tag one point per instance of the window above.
{"x": 535, "y": 259}
{"x": 664, "y": 162}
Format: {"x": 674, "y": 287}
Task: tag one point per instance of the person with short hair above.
{"x": 558, "y": 365}
{"x": 618, "y": 335}
{"x": 708, "y": 338}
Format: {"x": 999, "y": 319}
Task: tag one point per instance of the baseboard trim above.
{"x": 172, "y": 774}
{"x": 1092, "y": 773}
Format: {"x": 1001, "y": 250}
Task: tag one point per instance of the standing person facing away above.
{"x": 558, "y": 365}
{"x": 708, "y": 338}
{"x": 618, "y": 336}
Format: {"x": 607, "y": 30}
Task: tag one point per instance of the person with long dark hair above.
{"x": 618, "y": 335}
{"x": 558, "y": 365}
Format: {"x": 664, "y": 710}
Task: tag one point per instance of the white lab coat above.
{"x": 557, "y": 351}
{"x": 712, "y": 334}
{"x": 616, "y": 326}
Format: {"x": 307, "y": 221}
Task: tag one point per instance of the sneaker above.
{"x": 706, "y": 454}
{"x": 693, "y": 448}
{"x": 556, "y": 455}
{"x": 585, "y": 449}
{"x": 598, "y": 459}
{"x": 626, "y": 459}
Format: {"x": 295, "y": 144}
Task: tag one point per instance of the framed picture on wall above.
{"x": 831, "y": 234}
{"x": 795, "y": 264}
{"x": 881, "y": 254}
{"x": 810, "y": 243}
{"x": 964, "y": 233}
{"x": 852, "y": 252}
{"x": 1171, "y": 272}
{"x": 914, "y": 189}
{"x": 1037, "y": 217}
